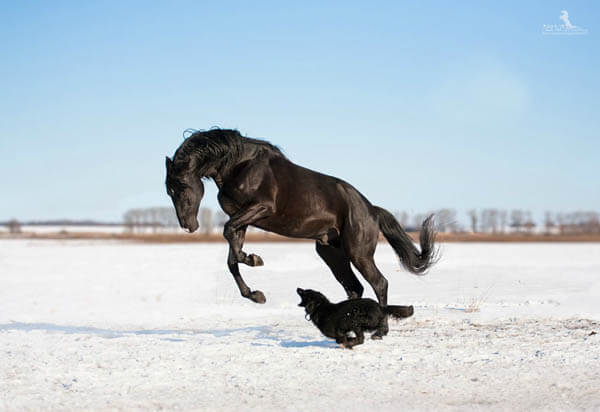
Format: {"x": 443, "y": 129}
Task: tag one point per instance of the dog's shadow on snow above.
{"x": 305, "y": 344}
{"x": 262, "y": 335}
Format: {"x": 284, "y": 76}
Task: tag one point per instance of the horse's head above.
{"x": 186, "y": 191}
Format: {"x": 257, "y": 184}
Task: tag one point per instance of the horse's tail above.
{"x": 414, "y": 261}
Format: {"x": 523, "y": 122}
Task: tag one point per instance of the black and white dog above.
{"x": 337, "y": 320}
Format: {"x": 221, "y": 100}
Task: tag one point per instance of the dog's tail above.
{"x": 412, "y": 259}
{"x": 399, "y": 312}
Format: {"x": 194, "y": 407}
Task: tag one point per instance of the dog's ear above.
{"x": 300, "y": 291}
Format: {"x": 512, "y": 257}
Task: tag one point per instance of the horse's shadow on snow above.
{"x": 263, "y": 335}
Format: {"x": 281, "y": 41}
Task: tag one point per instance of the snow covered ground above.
{"x": 121, "y": 326}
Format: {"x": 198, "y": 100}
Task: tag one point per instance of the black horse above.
{"x": 259, "y": 186}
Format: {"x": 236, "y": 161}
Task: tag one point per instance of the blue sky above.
{"x": 420, "y": 105}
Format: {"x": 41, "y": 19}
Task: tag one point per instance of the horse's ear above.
{"x": 300, "y": 291}
{"x": 168, "y": 163}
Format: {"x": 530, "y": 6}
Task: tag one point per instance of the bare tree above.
{"x": 529, "y": 224}
{"x": 484, "y": 218}
{"x": 418, "y": 221}
{"x": 473, "y": 217}
{"x": 561, "y": 221}
{"x": 548, "y": 222}
{"x": 129, "y": 220}
{"x": 516, "y": 219}
{"x": 220, "y": 219}
{"x": 493, "y": 220}
{"x": 14, "y": 226}
{"x": 155, "y": 218}
{"x": 206, "y": 220}
{"x": 502, "y": 218}
{"x": 446, "y": 220}
{"x": 489, "y": 220}
{"x": 593, "y": 222}
{"x": 168, "y": 218}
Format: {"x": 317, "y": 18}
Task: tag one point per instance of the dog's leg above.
{"x": 381, "y": 326}
{"x": 360, "y": 337}
{"x": 343, "y": 341}
{"x": 358, "y": 340}
{"x": 350, "y": 342}
{"x": 346, "y": 341}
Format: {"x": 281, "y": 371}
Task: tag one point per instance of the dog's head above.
{"x": 311, "y": 300}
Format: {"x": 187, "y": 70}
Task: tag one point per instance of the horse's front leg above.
{"x": 254, "y": 295}
{"x": 234, "y": 232}
{"x": 236, "y": 243}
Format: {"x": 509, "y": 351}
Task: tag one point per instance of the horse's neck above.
{"x": 250, "y": 152}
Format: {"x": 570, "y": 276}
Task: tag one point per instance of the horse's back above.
{"x": 309, "y": 203}
{"x": 314, "y": 189}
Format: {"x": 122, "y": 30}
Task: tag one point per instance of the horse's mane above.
{"x": 219, "y": 148}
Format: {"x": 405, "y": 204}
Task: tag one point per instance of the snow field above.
{"x": 124, "y": 326}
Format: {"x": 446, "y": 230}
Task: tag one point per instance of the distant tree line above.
{"x": 499, "y": 221}
{"x": 581, "y": 222}
{"x": 521, "y": 221}
{"x": 487, "y": 220}
{"x": 15, "y": 226}
{"x": 158, "y": 219}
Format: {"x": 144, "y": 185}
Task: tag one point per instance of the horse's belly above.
{"x": 299, "y": 227}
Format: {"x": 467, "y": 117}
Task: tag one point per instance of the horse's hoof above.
{"x": 255, "y": 260}
{"x": 258, "y": 297}
{"x": 376, "y": 337}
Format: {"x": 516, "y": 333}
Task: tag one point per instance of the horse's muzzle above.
{"x": 191, "y": 228}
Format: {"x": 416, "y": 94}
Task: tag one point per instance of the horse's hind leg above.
{"x": 379, "y": 283}
{"x": 339, "y": 264}
{"x": 361, "y": 254}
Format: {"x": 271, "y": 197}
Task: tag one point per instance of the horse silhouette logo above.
{"x": 564, "y": 16}
{"x": 566, "y": 28}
